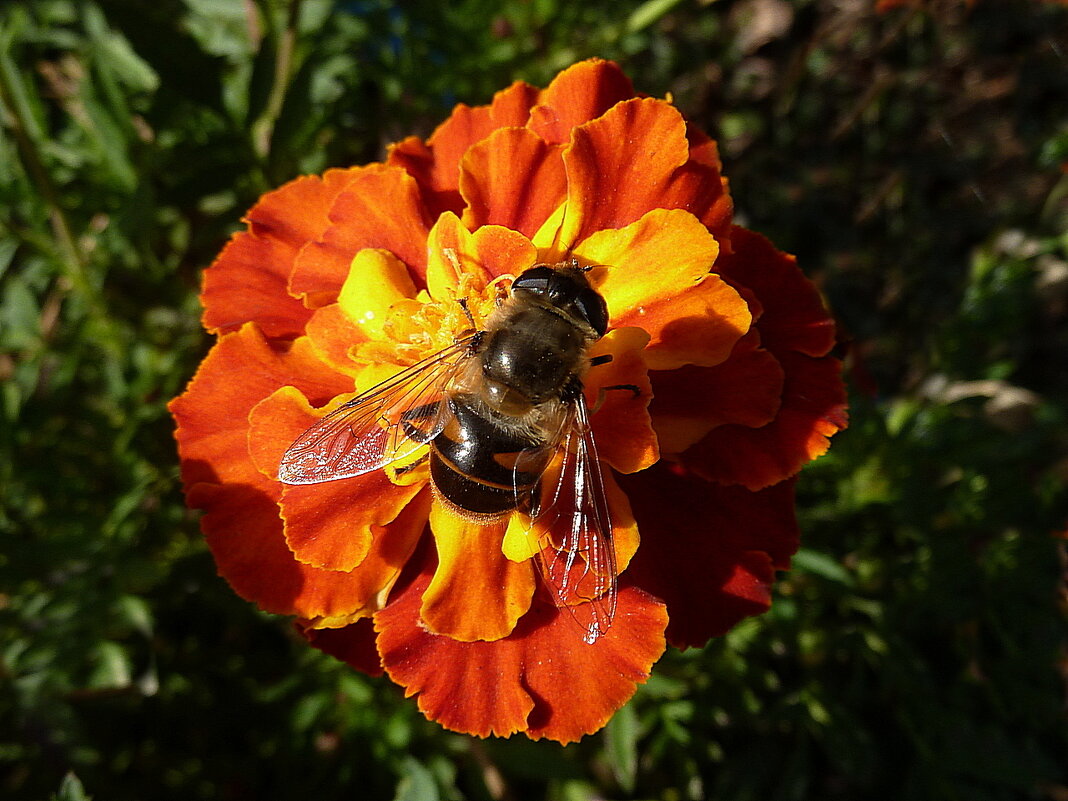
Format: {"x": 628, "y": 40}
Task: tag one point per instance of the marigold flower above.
{"x": 345, "y": 279}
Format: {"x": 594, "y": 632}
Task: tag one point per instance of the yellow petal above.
{"x": 376, "y": 281}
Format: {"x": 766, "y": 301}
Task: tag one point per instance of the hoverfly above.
{"x": 506, "y": 421}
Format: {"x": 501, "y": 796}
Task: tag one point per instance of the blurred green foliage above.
{"x": 916, "y": 162}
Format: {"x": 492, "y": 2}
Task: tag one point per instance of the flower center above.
{"x": 418, "y": 328}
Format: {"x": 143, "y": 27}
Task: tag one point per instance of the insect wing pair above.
{"x": 568, "y": 515}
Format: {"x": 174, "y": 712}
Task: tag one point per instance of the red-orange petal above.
{"x": 416, "y": 158}
{"x": 577, "y": 95}
{"x": 243, "y": 530}
{"x": 241, "y": 522}
{"x": 633, "y": 159}
{"x": 794, "y": 317}
{"x": 368, "y": 584}
{"x": 436, "y": 163}
{"x": 476, "y": 593}
{"x": 379, "y": 208}
{"x": 813, "y": 409}
{"x": 514, "y": 179}
{"x": 709, "y": 552}
{"x": 691, "y": 401}
{"x": 353, "y": 644}
{"x": 249, "y": 280}
{"x": 542, "y": 679}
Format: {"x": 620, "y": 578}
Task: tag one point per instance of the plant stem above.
{"x": 283, "y": 66}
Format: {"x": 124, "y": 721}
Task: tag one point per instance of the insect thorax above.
{"x": 531, "y": 358}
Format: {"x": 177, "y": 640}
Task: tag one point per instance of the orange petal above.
{"x": 328, "y": 525}
{"x": 476, "y": 593}
{"x": 369, "y": 584}
{"x": 248, "y": 281}
{"x": 514, "y": 179}
{"x": 579, "y": 94}
{"x": 794, "y": 316}
{"x": 332, "y": 334}
{"x": 656, "y": 277}
{"x": 212, "y": 413}
{"x": 709, "y": 552}
{"x": 625, "y": 534}
{"x": 542, "y": 679}
{"x": 621, "y": 423}
{"x": 244, "y": 532}
{"x": 241, "y": 520}
{"x": 699, "y": 326}
{"x": 813, "y": 409}
{"x": 488, "y": 252}
{"x": 502, "y": 251}
{"x": 380, "y": 208}
{"x": 633, "y": 159}
{"x": 718, "y": 208}
{"x": 691, "y": 401}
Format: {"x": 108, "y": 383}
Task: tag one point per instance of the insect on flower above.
{"x": 506, "y": 423}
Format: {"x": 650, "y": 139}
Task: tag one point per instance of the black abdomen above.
{"x": 473, "y": 462}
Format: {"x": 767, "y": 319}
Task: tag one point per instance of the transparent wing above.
{"x": 578, "y": 558}
{"x": 384, "y": 424}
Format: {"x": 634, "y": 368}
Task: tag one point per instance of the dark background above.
{"x": 916, "y": 160}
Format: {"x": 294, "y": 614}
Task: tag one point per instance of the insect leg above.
{"x": 467, "y": 312}
{"x": 400, "y": 471}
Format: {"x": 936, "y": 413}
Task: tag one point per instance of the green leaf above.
{"x": 417, "y": 783}
{"x": 821, "y": 565}
{"x": 622, "y": 746}
{"x": 648, "y": 13}
{"x": 20, "y": 316}
{"x": 70, "y": 789}
{"x": 112, "y": 669}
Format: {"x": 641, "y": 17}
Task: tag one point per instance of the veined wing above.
{"x": 578, "y": 559}
{"x": 384, "y": 424}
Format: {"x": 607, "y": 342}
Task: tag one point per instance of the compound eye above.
{"x": 536, "y": 280}
{"x": 594, "y": 310}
